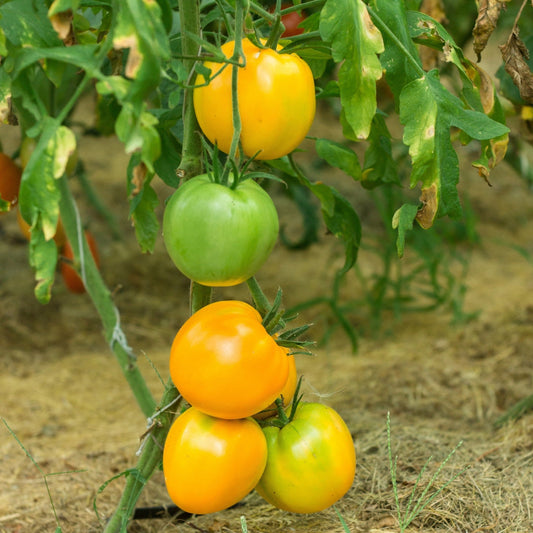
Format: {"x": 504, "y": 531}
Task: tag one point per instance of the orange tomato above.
{"x": 71, "y": 278}
{"x": 209, "y": 463}
{"x": 225, "y": 363}
{"x": 10, "y": 175}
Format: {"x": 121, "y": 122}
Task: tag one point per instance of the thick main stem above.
{"x": 191, "y": 164}
{"x": 103, "y": 302}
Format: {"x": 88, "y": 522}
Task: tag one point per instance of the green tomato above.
{"x": 311, "y": 461}
{"x": 216, "y": 235}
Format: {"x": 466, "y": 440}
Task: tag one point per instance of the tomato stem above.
{"x": 237, "y": 56}
{"x": 191, "y": 161}
{"x": 102, "y": 300}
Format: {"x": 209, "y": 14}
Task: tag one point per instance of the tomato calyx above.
{"x": 282, "y": 418}
{"x": 229, "y": 173}
{"x": 276, "y": 318}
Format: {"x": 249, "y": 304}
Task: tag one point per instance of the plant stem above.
{"x": 102, "y": 301}
{"x": 149, "y": 460}
{"x": 191, "y": 163}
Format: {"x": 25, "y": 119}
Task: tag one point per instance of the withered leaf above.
{"x": 515, "y": 55}
{"x": 62, "y": 24}
{"x": 487, "y": 18}
{"x": 137, "y": 181}
{"x": 430, "y": 203}
{"x": 435, "y": 9}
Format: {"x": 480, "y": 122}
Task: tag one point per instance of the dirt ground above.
{"x": 65, "y": 400}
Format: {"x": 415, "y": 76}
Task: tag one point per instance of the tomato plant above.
{"x": 210, "y": 463}
{"x": 276, "y": 95}
{"x": 10, "y": 175}
{"x": 218, "y": 235}
{"x": 70, "y": 276}
{"x": 311, "y": 460}
{"x": 171, "y": 79}
{"x": 225, "y": 363}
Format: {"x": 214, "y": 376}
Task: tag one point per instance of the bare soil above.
{"x": 66, "y": 402}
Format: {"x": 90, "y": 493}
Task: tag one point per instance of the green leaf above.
{"x": 428, "y": 111}
{"x": 39, "y": 195}
{"x": 39, "y": 200}
{"x": 140, "y": 30}
{"x": 400, "y": 59}
{"x": 340, "y": 156}
{"x": 143, "y": 201}
{"x": 355, "y": 43}
{"x": 379, "y": 166}
{"x": 403, "y": 221}
{"x": 82, "y": 56}
{"x": 138, "y": 132}
{"x": 344, "y": 223}
{"x": 25, "y": 24}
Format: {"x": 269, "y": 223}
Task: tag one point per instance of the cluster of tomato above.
{"x": 10, "y": 178}
{"x": 241, "y": 431}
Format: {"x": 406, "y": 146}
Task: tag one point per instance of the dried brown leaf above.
{"x": 137, "y": 180}
{"x": 62, "y": 24}
{"x": 430, "y": 203}
{"x": 487, "y": 18}
{"x": 515, "y": 55}
{"x": 485, "y": 85}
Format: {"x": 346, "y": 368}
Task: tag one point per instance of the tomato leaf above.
{"x": 379, "y": 166}
{"x": 340, "y": 156}
{"x": 25, "y": 24}
{"x": 345, "y": 225}
{"x": 428, "y": 111}
{"x": 43, "y": 259}
{"x": 143, "y": 201}
{"x": 403, "y": 221}
{"x": 39, "y": 200}
{"x": 355, "y": 44}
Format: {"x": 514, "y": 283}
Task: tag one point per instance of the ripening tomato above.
{"x": 210, "y": 464}
{"x": 287, "y": 393}
{"x": 291, "y": 21}
{"x": 10, "y": 175}
{"x": 71, "y": 278}
{"x": 224, "y": 362}
{"x": 311, "y": 461}
{"x": 216, "y": 235}
{"x": 60, "y": 237}
{"x": 276, "y": 96}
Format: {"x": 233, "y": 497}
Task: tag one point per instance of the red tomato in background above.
{"x": 291, "y": 22}
{"x": 71, "y": 278}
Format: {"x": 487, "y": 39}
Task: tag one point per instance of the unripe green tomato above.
{"x": 216, "y": 235}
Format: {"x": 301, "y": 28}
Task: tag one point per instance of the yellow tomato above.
{"x": 210, "y": 464}
{"x": 225, "y": 363}
{"x": 276, "y": 95}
